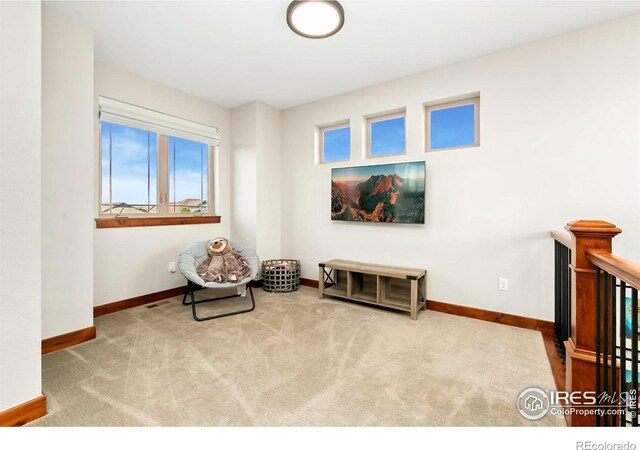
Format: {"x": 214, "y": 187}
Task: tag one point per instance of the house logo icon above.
{"x": 533, "y": 403}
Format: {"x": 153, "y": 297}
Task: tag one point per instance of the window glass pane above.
{"x": 188, "y": 176}
{"x": 453, "y": 127}
{"x": 337, "y": 144}
{"x": 129, "y": 170}
{"x": 387, "y": 137}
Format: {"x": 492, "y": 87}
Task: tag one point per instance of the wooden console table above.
{"x": 392, "y": 287}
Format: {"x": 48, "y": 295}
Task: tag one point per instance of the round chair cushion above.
{"x": 194, "y": 254}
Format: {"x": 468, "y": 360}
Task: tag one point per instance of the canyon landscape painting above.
{"x": 381, "y": 193}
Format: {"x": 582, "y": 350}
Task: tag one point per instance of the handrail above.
{"x": 626, "y": 271}
{"x": 598, "y": 318}
{"x": 562, "y": 236}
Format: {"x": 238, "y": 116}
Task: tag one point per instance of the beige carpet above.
{"x": 294, "y": 361}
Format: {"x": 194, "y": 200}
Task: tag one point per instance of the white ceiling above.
{"x": 233, "y": 52}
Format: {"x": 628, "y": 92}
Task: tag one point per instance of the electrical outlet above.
{"x": 172, "y": 267}
{"x": 503, "y": 284}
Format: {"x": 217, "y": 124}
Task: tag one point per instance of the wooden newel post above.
{"x": 587, "y": 235}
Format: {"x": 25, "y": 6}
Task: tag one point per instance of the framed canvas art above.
{"x": 393, "y": 193}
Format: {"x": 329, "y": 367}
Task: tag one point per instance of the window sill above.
{"x": 124, "y": 222}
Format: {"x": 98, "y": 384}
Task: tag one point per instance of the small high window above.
{"x": 335, "y": 143}
{"x": 386, "y": 135}
{"x": 453, "y": 124}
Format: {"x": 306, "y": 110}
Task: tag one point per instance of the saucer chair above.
{"x": 193, "y": 255}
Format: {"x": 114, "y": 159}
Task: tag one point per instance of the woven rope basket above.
{"x": 280, "y": 275}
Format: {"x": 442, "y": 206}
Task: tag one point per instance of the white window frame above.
{"x": 322, "y": 130}
{"x": 164, "y": 126}
{"x": 429, "y": 108}
{"x": 382, "y": 118}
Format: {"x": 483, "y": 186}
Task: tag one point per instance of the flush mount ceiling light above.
{"x": 315, "y": 19}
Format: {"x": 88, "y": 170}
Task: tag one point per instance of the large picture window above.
{"x": 188, "y": 176}
{"x": 154, "y": 169}
{"x": 129, "y": 170}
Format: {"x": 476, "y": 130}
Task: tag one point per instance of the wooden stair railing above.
{"x": 600, "y": 355}
{"x": 617, "y": 370}
{"x": 562, "y": 294}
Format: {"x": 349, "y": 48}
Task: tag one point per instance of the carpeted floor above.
{"x": 294, "y": 361}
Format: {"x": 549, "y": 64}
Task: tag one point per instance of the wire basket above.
{"x": 280, "y": 275}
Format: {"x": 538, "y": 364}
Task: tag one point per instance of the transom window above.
{"x": 335, "y": 143}
{"x": 453, "y": 124}
{"x": 163, "y": 167}
{"x": 386, "y": 135}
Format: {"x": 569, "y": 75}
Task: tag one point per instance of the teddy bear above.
{"x": 223, "y": 264}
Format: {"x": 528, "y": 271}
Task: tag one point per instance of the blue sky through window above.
{"x": 387, "y": 137}
{"x": 337, "y": 145}
{"x": 188, "y": 174}
{"x": 129, "y": 164}
{"x": 452, "y": 127}
{"x": 130, "y": 160}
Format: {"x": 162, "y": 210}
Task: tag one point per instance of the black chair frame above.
{"x": 189, "y": 291}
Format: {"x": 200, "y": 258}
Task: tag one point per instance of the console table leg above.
{"x": 423, "y": 289}
{"x": 321, "y": 283}
{"x": 414, "y": 299}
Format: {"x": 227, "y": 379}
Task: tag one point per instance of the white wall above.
{"x": 244, "y": 174}
{"x": 134, "y": 261}
{"x": 559, "y": 141}
{"x": 20, "y": 147}
{"x": 269, "y": 178}
{"x": 67, "y": 175}
{"x": 256, "y": 174}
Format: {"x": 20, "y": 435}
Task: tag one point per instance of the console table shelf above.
{"x": 393, "y": 287}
